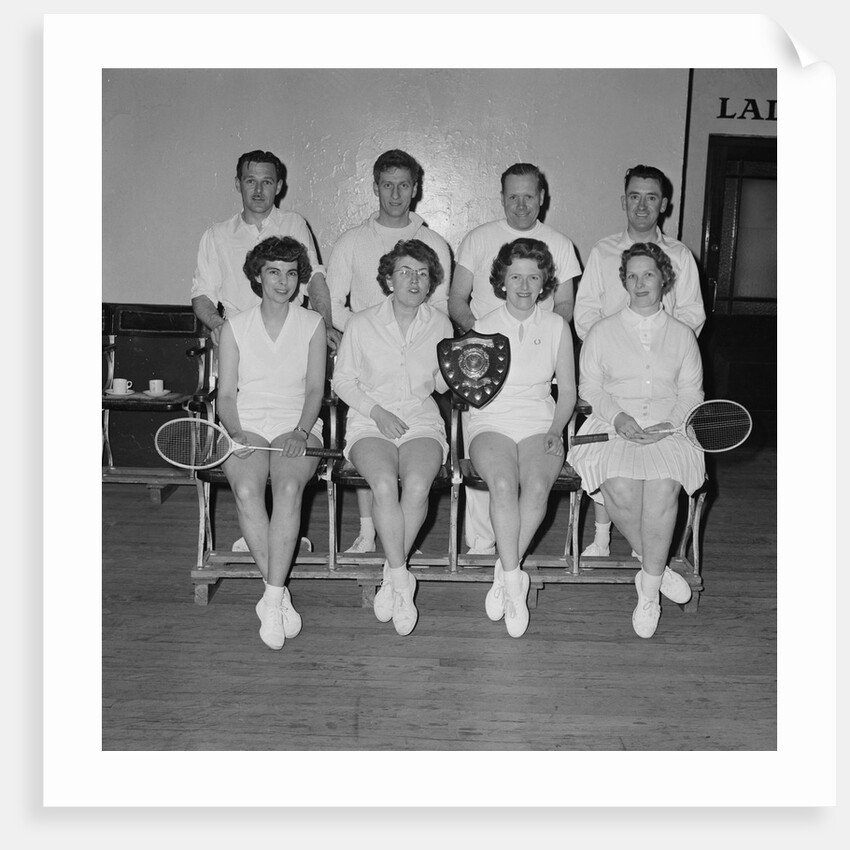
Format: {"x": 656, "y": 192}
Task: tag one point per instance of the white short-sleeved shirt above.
{"x": 481, "y": 245}
{"x": 222, "y": 252}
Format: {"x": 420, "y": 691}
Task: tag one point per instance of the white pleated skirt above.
{"x": 673, "y": 457}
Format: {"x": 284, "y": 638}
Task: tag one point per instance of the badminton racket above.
{"x": 710, "y": 426}
{"x": 199, "y": 444}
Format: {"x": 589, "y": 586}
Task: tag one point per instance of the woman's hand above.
{"x": 650, "y": 434}
{"x": 553, "y": 444}
{"x": 242, "y": 438}
{"x": 388, "y": 423}
{"x": 626, "y": 426}
{"x": 293, "y": 445}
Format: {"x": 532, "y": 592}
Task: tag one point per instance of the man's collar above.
{"x": 627, "y": 240}
{"x": 240, "y": 219}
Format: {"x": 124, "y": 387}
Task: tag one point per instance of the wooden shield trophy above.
{"x": 475, "y": 365}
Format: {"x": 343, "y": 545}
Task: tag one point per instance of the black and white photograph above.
{"x": 441, "y": 418}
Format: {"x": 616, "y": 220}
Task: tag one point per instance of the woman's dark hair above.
{"x": 662, "y": 261}
{"x": 523, "y": 249}
{"x": 416, "y": 250}
{"x": 276, "y": 249}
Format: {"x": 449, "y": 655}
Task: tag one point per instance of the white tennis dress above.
{"x": 524, "y": 405}
{"x": 272, "y": 377}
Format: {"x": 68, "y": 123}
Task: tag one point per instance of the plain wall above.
{"x": 171, "y": 139}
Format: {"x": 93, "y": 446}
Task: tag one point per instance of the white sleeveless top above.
{"x": 272, "y": 375}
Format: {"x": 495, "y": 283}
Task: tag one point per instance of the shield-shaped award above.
{"x": 475, "y": 365}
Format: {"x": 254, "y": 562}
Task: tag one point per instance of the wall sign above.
{"x": 749, "y": 109}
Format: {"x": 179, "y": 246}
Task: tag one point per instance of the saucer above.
{"x": 153, "y": 394}
{"x": 115, "y": 392}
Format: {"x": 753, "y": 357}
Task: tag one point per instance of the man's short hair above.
{"x": 524, "y": 169}
{"x": 648, "y": 172}
{"x": 260, "y": 156}
{"x": 395, "y": 158}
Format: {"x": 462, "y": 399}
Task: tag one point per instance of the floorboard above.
{"x": 178, "y": 676}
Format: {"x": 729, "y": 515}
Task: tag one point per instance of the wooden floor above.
{"x": 178, "y": 676}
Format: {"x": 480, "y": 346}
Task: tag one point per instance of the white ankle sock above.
{"x": 367, "y": 528}
{"x": 512, "y": 581}
{"x": 399, "y": 578}
{"x": 273, "y": 595}
{"x": 602, "y": 535}
{"x": 650, "y": 585}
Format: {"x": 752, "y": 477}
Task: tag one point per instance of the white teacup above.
{"x": 121, "y": 385}
{"x": 155, "y": 386}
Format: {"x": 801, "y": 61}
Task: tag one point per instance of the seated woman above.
{"x": 641, "y": 371}
{"x": 515, "y": 441}
{"x": 386, "y": 371}
{"x": 271, "y": 381}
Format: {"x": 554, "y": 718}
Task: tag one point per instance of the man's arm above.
{"x": 320, "y": 301}
{"x": 563, "y": 299}
{"x": 207, "y": 312}
{"x": 689, "y": 307}
{"x": 206, "y": 287}
{"x": 440, "y": 297}
{"x": 339, "y": 281}
{"x": 587, "y": 310}
{"x": 459, "y": 294}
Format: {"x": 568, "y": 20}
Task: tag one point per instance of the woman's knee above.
{"x": 416, "y": 487}
{"x": 289, "y": 488}
{"x": 247, "y": 492}
{"x": 384, "y": 488}
{"x": 620, "y": 493}
{"x": 503, "y": 487}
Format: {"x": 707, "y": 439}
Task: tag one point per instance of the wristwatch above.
{"x": 303, "y": 431}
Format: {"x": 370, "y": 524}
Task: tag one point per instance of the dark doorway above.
{"x": 739, "y": 265}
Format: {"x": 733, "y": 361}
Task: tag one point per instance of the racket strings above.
{"x": 718, "y": 425}
{"x": 192, "y": 443}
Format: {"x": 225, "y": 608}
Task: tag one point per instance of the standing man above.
{"x": 219, "y": 277}
{"x": 353, "y": 268}
{"x": 471, "y": 295}
{"x": 646, "y": 195}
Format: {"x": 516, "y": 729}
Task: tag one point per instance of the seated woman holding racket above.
{"x": 515, "y": 441}
{"x": 386, "y": 371}
{"x": 270, "y": 387}
{"x": 641, "y": 371}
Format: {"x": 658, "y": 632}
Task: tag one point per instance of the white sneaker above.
{"x": 516, "y": 608}
{"x": 361, "y": 545}
{"x": 646, "y": 613}
{"x": 494, "y": 602}
{"x": 291, "y": 618}
{"x": 674, "y": 587}
{"x": 271, "y": 624}
{"x": 383, "y": 604}
{"x": 596, "y": 551}
{"x": 405, "y": 614}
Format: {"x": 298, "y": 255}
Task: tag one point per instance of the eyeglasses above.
{"x": 407, "y": 273}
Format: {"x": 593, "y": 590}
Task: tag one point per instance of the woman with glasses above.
{"x": 386, "y": 372}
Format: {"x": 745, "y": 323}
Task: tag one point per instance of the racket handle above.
{"x": 313, "y": 452}
{"x": 589, "y": 438}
